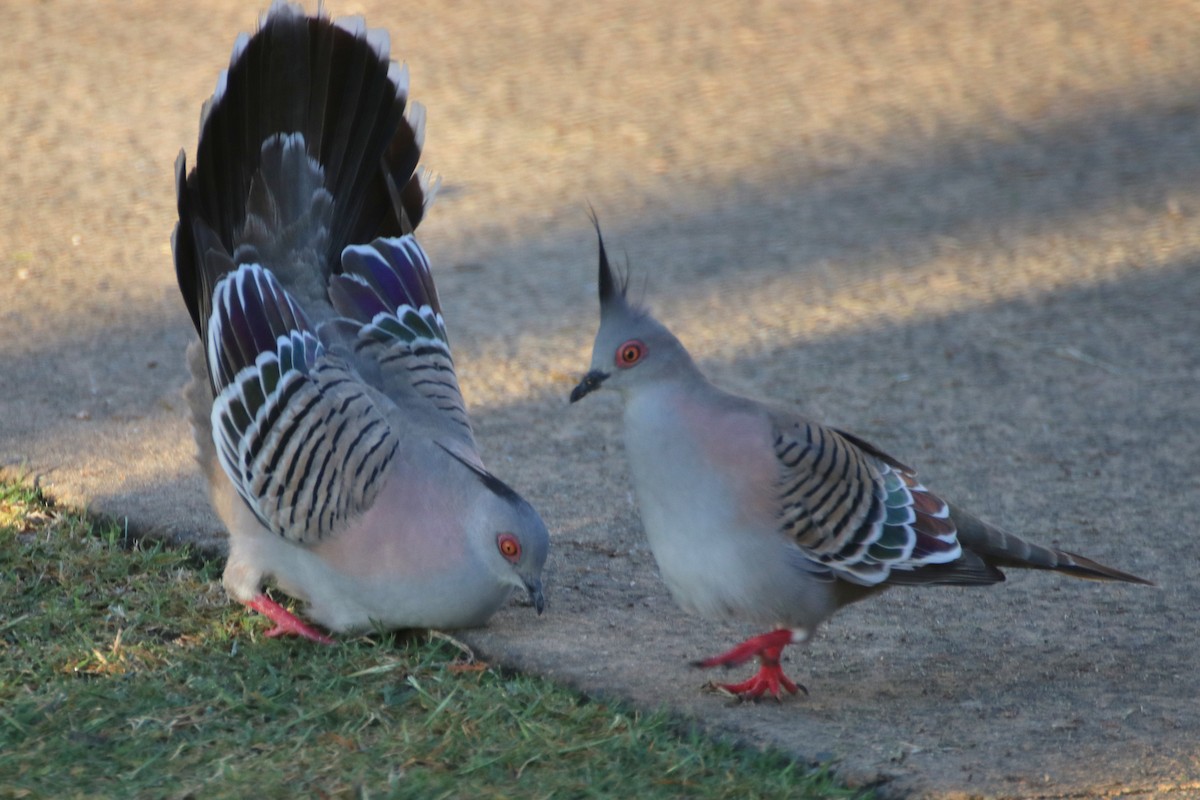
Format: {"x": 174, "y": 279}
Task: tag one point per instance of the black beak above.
{"x": 590, "y": 383}
{"x": 535, "y": 596}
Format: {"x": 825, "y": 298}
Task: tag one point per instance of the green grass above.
{"x": 126, "y": 672}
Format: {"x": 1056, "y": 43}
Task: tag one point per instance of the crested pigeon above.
{"x": 757, "y": 513}
{"x": 325, "y": 406}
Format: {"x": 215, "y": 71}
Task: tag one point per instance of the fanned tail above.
{"x": 330, "y": 87}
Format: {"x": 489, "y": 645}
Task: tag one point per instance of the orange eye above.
{"x": 509, "y": 547}
{"x": 630, "y": 353}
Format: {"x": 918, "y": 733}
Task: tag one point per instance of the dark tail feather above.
{"x": 1001, "y": 549}
{"x": 193, "y": 284}
{"x": 968, "y": 570}
{"x": 334, "y": 84}
{"x": 1084, "y": 567}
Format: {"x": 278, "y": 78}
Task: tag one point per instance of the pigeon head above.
{"x": 508, "y": 535}
{"x": 520, "y": 547}
{"x": 632, "y": 348}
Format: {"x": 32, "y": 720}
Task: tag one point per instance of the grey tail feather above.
{"x": 999, "y": 548}
{"x": 306, "y": 75}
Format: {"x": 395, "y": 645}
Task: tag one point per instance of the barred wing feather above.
{"x": 858, "y": 512}
{"x": 387, "y": 290}
{"x": 298, "y": 434}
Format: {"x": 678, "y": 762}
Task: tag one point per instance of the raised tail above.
{"x": 304, "y": 148}
{"x": 1001, "y": 549}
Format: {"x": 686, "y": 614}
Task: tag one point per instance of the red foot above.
{"x": 286, "y": 623}
{"x": 770, "y": 678}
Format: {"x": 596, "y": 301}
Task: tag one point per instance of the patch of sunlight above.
{"x": 751, "y": 311}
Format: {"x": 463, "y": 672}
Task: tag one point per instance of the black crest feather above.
{"x": 612, "y": 285}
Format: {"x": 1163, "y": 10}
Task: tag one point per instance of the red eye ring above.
{"x": 509, "y": 547}
{"x": 630, "y": 353}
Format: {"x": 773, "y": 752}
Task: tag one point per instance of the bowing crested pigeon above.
{"x": 325, "y": 406}
{"x": 755, "y": 512}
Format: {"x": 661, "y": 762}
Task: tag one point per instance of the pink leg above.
{"x": 286, "y": 623}
{"x": 770, "y": 678}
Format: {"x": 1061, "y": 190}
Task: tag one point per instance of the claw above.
{"x": 286, "y": 623}
{"x": 769, "y": 678}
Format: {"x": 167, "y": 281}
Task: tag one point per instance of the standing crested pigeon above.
{"x": 325, "y": 406}
{"x": 756, "y": 512}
